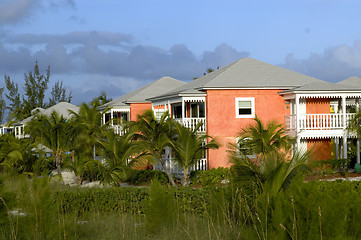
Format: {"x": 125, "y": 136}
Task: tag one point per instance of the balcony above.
{"x": 192, "y": 123}
{"x": 332, "y": 121}
{"x": 174, "y": 168}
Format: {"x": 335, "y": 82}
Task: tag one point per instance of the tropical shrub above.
{"x": 146, "y": 176}
{"x": 211, "y": 177}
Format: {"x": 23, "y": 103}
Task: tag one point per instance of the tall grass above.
{"x": 313, "y": 210}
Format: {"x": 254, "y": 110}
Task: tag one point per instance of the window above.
{"x": 158, "y": 113}
{"x": 245, "y": 108}
{"x": 177, "y": 111}
{"x": 197, "y": 110}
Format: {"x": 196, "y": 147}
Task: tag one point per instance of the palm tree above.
{"x": 188, "y": 148}
{"x": 354, "y": 124}
{"x": 53, "y": 132}
{"x": 274, "y": 173}
{"x": 261, "y": 139}
{"x": 155, "y": 135}
{"x": 275, "y": 167}
{"x": 120, "y": 154}
{"x": 88, "y": 128}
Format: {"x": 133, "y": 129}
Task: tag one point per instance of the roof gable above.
{"x": 140, "y": 95}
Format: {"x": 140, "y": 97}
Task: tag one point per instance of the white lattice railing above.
{"x": 173, "y": 167}
{"x": 118, "y": 129}
{"x": 331, "y": 121}
{"x": 192, "y": 123}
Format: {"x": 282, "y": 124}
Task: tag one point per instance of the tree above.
{"x": 2, "y": 105}
{"x": 35, "y": 87}
{"x": 156, "y": 135}
{"x": 54, "y": 132}
{"x": 89, "y": 129}
{"x": 58, "y": 94}
{"x": 261, "y": 139}
{"x": 272, "y": 174}
{"x": 354, "y": 125}
{"x": 275, "y": 166}
{"x": 189, "y": 148}
{"x": 15, "y": 112}
{"x": 101, "y": 100}
{"x": 36, "y": 84}
{"x": 120, "y": 153}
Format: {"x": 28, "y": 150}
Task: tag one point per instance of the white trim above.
{"x": 253, "y": 110}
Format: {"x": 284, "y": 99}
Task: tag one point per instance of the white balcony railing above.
{"x": 192, "y": 123}
{"x": 331, "y": 121}
{"x": 118, "y": 129}
{"x": 173, "y": 167}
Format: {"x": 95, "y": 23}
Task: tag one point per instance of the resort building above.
{"x": 129, "y": 106}
{"x": 61, "y": 108}
{"x": 313, "y": 111}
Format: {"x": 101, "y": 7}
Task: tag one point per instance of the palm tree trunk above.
{"x": 185, "y": 179}
{"x": 166, "y": 170}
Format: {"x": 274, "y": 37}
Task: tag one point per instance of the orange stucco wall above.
{"x": 317, "y": 105}
{"x": 223, "y": 124}
{"x": 137, "y": 109}
{"x": 320, "y": 149}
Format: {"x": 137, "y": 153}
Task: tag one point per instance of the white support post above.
{"x": 344, "y": 145}
{"x": 358, "y": 139}
{"x": 169, "y": 109}
{"x": 337, "y": 145}
{"x": 297, "y": 108}
{"x": 183, "y": 108}
{"x": 111, "y": 116}
{"x": 344, "y": 111}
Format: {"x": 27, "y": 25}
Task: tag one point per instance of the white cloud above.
{"x": 333, "y": 65}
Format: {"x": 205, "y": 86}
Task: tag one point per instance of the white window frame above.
{"x": 253, "y": 110}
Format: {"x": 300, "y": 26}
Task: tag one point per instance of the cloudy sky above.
{"x": 120, "y": 45}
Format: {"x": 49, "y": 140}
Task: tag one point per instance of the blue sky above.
{"x": 120, "y": 45}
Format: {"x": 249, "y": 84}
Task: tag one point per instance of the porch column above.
{"x": 297, "y": 108}
{"x": 111, "y": 116}
{"x": 337, "y": 145}
{"x": 183, "y": 108}
{"x": 344, "y": 111}
{"x": 358, "y": 139}
{"x": 344, "y": 145}
{"x": 169, "y": 109}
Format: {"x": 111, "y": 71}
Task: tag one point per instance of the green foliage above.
{"x": 262, "y": 139}
{"x": 212, "y": 177}
{"x": 54, "y": 132}
{"x": 339, "y": 165}
{"x": 189, "y": 147}
{"x": 2, "y": 105}
{"x": 140, "y": 177}
{"x": 58, "y": 94}
{"x": 155, "y": 135}
{"x": 35, "y": 86}
{"x": 160, "y": 208}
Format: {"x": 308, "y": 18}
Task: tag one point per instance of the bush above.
{"x": 139, "y": 177}
{"x": 210, "y": 178}
{"x": 339, "y": 165}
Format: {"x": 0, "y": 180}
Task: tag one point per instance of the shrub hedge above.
{"x": 126, "y": 200}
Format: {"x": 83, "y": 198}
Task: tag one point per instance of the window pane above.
{"x": 244, "y": 111}
{"x": 201, "y": 110}
{"x": 244, "y": 104}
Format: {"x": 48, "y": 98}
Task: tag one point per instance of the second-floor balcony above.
{"x": 191, "y": 123}
{"x": 332, "y": 121}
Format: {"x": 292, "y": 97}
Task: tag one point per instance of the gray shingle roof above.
{"x": 247, "y": 73}
{"x": 62, "y": 108}
{"x": 351, "y": 81}
{"x": 324, "y": 86}
{"x": 140, "y": 95}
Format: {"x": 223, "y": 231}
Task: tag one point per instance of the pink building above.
{"x": 315, "y": 112}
